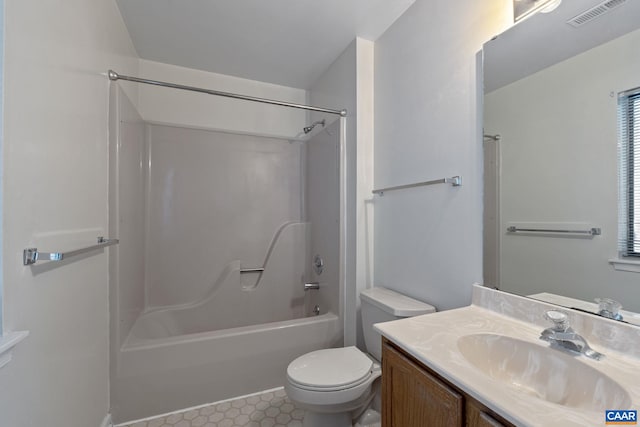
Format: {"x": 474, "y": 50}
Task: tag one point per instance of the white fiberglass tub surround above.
{"x": 194, "y": 208}
{"x": 233, "y": 301}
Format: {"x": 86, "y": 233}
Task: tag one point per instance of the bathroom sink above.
{"x": 543, "y": 372}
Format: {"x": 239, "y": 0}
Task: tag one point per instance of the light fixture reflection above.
{"x": 522, "y": 9}
{"x": 550, "y": 6}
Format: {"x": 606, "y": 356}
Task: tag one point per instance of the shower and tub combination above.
{"x": 229, "y": 261}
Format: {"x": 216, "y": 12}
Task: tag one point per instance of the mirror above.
{"x": 551, "y": 94}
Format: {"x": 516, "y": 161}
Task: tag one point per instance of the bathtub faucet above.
{"x": 311, "y": 285}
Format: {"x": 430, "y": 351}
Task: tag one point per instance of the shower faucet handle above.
{"x": 318, "y": 264}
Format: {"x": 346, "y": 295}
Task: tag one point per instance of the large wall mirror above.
{"x": 552, "y": 87}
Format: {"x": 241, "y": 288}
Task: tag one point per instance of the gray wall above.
{"x": 55, "y": 195}
{"x": 428, "y": 240}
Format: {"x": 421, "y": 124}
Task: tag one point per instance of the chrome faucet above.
{"x": 562, "y": 336}
{"x": 311, "y": 285}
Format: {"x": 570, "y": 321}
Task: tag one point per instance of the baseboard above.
{"x": 107, "y": 421}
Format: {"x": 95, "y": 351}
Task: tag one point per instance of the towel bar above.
{"x": 31, "y": 255}
{"x": 456, "y": 181}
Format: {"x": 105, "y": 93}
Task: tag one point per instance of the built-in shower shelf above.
{"x": 7, "y": 342}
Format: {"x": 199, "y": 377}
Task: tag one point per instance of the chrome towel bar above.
{"x": 31, "y": 255}
{"x": 456, "y": 181}
{"x": 590, "y": 232}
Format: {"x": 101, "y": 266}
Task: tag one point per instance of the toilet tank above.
{"x": 382, "y": 305}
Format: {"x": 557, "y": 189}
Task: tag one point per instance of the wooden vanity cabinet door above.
{"x": 477, "y": 417}
{"x": 414, "y": 398}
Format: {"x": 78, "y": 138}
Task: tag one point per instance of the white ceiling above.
{"x": 546, "y": 39}
{"x": 285, "y": 42}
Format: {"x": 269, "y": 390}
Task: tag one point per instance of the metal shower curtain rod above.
{"x": 115, "y": 76}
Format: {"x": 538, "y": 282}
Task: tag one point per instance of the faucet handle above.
{"x": 609, "y": 308}
{"x": 559, "y": 318}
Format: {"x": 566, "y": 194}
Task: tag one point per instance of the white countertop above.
{"x": 432, "y": 339}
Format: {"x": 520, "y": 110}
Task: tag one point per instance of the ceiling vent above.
{"x": 594, "y": 12}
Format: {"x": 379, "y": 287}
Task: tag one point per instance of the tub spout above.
{"x": 311, "y": 285}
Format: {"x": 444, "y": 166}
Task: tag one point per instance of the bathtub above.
{"x": 160, "y": 372}
{"x": 190, "y": 322}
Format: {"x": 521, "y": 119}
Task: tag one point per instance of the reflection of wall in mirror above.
{"x": 558, "y": 164}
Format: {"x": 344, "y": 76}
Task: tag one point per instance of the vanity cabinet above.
{"x": 415, "y": 396}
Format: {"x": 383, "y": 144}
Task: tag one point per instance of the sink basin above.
{"x": 543, "y": 372}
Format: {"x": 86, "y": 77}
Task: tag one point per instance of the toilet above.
{"x": 335, "y": 385}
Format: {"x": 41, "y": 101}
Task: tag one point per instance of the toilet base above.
{"x": 343, "y": 415}
{"x": 370, "y": 418}
{"x": 317, "y": 419}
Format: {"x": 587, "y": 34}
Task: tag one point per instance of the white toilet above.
{"x": 335, "y": 385}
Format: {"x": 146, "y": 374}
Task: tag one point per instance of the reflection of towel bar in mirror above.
{"x": 557, "y": 159}
{"x": 456, "y": 181}
{"x": 590, "y": 232}
{"x": 31, "y": 255}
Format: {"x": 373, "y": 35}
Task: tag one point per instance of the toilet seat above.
{"x": 329, "y": 370}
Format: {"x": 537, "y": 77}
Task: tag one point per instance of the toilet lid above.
{"x": 330, "y": 369}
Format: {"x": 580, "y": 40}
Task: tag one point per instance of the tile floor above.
{"x": 268, "y": 409}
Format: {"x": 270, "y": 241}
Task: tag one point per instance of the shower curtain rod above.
{"x": 115, "y": 76}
